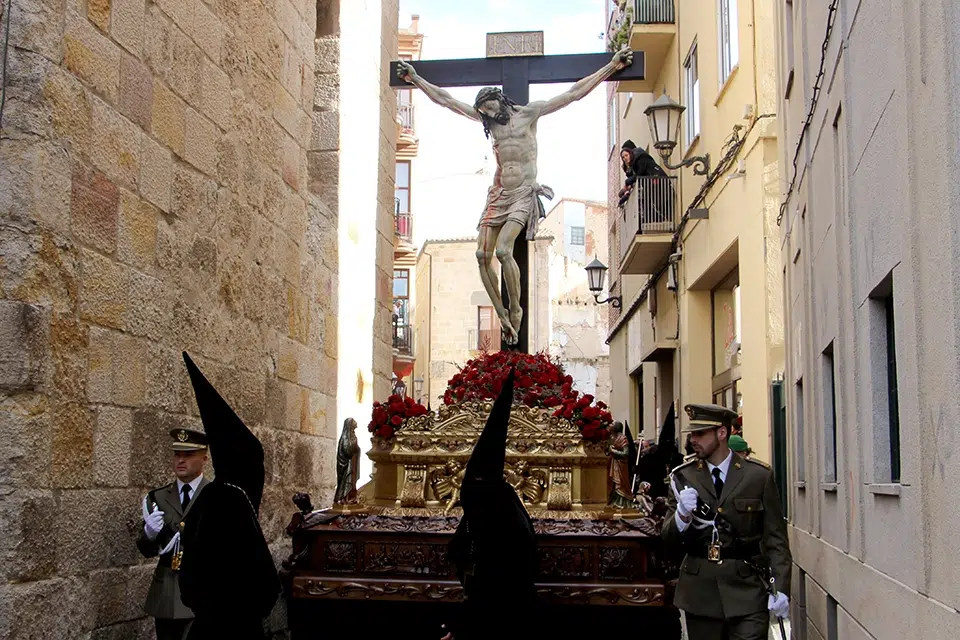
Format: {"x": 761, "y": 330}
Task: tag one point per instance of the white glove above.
{"x": 687, "y": 501}
{"x": 171, "y": 545}
{"x": 152, "y": 524}
{"x": 779, "y": 605}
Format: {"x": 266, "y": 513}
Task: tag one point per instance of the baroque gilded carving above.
{"x": 528, "y": 483}
{"x": 446, "y": 482}
{"x": 616, "y": 563}
{"x": 416, "y": 558}
{"x": 414, "y": 484}
{"x": 560, "y": 495}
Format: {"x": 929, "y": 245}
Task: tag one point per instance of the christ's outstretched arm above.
{"x": 441, "y": 96}
{"x": 621, "y": 60}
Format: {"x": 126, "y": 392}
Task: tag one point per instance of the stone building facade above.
{"x": 869, "y": 244}
{"x": 172, "y": 178}
{"x": 573, "y": 233}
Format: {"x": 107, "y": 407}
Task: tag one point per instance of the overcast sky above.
{"x": 455, "y": 162}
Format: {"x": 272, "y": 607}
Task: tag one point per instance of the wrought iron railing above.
{"x": 404, "y": 226}
{"x": 405, "y": 113}
{"x": 651, "y": 208}
{"x": 653, "y": 12}
{"x": 403, "y": 338}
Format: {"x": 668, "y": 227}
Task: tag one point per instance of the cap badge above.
{"x": 182, "y": 436}
{"x": 691, "y": 413}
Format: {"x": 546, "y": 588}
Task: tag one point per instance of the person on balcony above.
{"x": 656, "y": 202}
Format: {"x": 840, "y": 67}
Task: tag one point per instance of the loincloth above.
{"x": 521, "y": 205}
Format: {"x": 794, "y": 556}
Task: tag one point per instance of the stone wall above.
{"x": 154, "y": 198}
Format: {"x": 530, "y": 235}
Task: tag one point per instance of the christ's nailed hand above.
{"x": 406, "y": 71}
{"x": 623, "y": 58}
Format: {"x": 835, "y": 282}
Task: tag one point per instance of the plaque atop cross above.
{"x": 514, "y": 207}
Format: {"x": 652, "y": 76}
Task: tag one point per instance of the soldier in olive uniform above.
{"x": 163, "y": 512}
{"x": 725, "y": 513}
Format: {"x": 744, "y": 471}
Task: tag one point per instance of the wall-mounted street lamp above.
{"x": 418, "y": 387}
{"x": 596, "y": 272}
{"x": 663, "y": 116}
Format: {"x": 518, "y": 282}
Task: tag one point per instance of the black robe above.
{"x": 227, "y": 575}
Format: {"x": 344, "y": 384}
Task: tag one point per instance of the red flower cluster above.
{"x": 389, "y": 417}
{"x": 593, "y": 419}
{"x": 540, "y": 382}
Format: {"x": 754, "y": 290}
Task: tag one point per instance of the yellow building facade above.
{"x": 699, "y": 278}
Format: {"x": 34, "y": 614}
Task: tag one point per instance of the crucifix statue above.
{"x": 513, "y": 200}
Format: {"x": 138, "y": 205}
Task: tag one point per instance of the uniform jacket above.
{"x": 163, "y": 598}
{"x": 752, "y": 531}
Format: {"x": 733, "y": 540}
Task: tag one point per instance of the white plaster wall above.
{"x": 360, "y": 79}
{"x": 878, "y": 191}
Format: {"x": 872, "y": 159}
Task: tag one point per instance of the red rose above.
{"x": 448, "y": 397}
{"x": 392, "y": 399}
{"x": 589, "y": 398}
{"x": 583, "y": 403}
{"x": 380, "y": 416}
{"x": 591, "y": 413}
{"x": 552, "y": 401}
{"x": 408, "y": 401}
{"x": 396, "y": 421}
{"x": 568, "y": 380}
{"x": 396, "y": 407}
{"x": 460, "y": 392}
{"x": 568, "y": 413}
{"x": 604, "y": 434}
{"x": 372, "y": 427}
{"x": 376, "y": 405}
{"x": 602, "y": 405}
{"x": 606, "y": 417}
{"x": 386, "y": 431}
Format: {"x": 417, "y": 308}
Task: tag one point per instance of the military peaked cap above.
{"x": 709, "y": 416}
{"x": 188, "y": 440}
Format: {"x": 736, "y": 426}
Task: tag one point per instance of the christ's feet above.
{"x": 516, "y": 319}
{"x": 510, "y": 335}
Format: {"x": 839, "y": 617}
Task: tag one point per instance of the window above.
{"x": 725, "y": 300}
{"x": 401, "y": 296}
{"x": 798, "y": 409}
{"x": 577, "y": 236}
{"x": 402, "y": 189}
{"x": 829, "y": 415}
{"x": 832, "y": 626}
{"x": 691, "y": 75}
{"x": 729, "y": 38}
{"x": 488, "y": 330}
{"x": 886, "y": 398}
{"x": 613, "y": 122}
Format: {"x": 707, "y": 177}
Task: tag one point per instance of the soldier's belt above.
{"x": 737, "y": 552}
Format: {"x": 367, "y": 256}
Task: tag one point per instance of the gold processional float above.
{"x": 599, "y": 544}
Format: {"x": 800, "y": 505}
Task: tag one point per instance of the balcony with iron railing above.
{"x": 405, "y": 114}
{"x": 403, "y": 344}
{"x": 648, "y": 26}
{"x": 403, "y": 225}
{"x": 647, "y": 222}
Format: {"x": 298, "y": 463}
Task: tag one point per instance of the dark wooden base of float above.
{"x": 387, "y": 576}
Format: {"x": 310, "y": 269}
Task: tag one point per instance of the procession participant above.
{"x": 163, "y": 511}
{"x": 227, "y": 575}
{"x": 494, "y": 548}
{"x": 725, "y": 512}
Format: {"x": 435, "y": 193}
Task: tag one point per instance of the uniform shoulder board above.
{"x": 686, "y": 462}
{"x": 759, "y": 463}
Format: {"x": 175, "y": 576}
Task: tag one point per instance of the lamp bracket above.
{"x": 615, "y": 301}
{"x": 701, "y": 164}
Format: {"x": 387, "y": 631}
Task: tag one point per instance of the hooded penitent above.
{"x": 494, "y": 549}
{"x": 227, "y": 576}
{"x": 655, "y": 464}
{"x": 236, "y": 453}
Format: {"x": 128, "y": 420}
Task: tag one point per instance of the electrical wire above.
{"x": 6, "y": 47}
{"x": 817, "y": 86}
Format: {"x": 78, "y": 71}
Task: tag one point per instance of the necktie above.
{"x": 717, "y": 482}
{"x": 186, "y": 496}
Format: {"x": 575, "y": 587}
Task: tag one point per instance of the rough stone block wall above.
{"x": 154, "y": 198}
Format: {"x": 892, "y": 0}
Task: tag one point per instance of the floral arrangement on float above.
{"x": 390, "y": 416}
{"x": 540, "y": 382}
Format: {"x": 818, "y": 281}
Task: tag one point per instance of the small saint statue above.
{"x": 621, "y": 494}
{"x": 348, "y": 464}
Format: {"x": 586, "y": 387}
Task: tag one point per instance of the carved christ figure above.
{"x": 513, "y": 200}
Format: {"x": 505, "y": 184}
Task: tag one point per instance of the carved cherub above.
{"x": 528, "y": 483}
{"x": 446, "y": 482}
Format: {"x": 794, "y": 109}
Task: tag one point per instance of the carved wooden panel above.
{"x": 560, "y": 492}
{"x": 565, "y": 563}
{"x": 406, "y": 558}
{"x": 414, "y": 485}
{"x": 616, "y": 563}
{"x": 341, "y": 556}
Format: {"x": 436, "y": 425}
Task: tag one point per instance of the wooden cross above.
{"x": 514, "y": 74}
